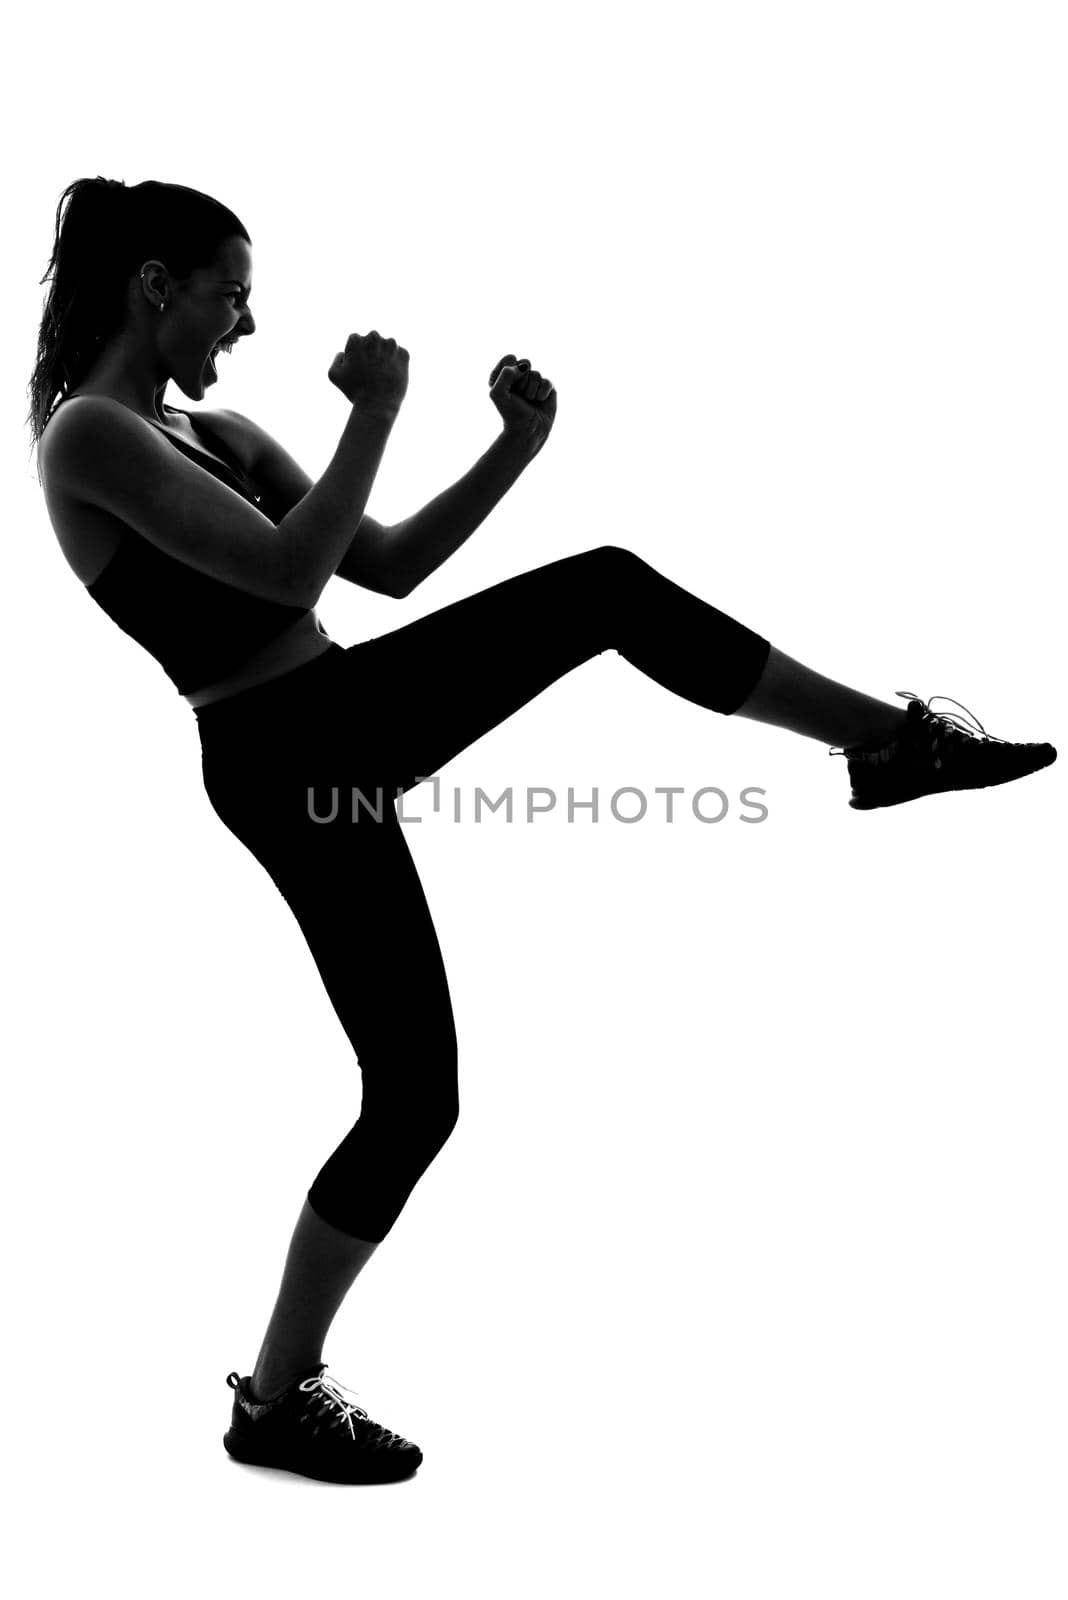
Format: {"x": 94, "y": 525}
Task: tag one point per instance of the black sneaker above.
{"x": 313, "y": 1428}
{"x": 935, "y": 753}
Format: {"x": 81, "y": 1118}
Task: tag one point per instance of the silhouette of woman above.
{"x": 203, "y": 539}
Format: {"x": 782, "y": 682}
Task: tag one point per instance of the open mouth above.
{"x": 224, "y": 346}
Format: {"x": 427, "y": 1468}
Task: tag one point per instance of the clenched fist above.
{"x": 371, "y": 371}
{"x": 525, "y": 400}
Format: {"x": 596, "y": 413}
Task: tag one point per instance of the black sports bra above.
{"x": 198, "y": 628}
{"x": 218, "y": 447}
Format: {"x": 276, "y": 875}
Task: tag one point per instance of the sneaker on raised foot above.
{"x": 313, "y": 1428}
{"x": 936, "y": 752}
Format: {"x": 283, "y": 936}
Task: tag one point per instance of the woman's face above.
{"x": 207, "y": 309}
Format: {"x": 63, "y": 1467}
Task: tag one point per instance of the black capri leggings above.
{"x": 382, "y": 715}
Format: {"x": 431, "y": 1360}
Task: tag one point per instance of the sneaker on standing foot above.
{"x": 313, "y": 1428}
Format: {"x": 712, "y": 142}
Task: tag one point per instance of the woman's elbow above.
{"x": 398, "y": 579}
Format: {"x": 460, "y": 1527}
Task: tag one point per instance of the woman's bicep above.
{"x": 99, "y": 452}
{"x": 281, "y": 479}
{"x": 284, "y": 483}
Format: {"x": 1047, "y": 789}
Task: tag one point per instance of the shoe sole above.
{"x": 242, "y": 1450}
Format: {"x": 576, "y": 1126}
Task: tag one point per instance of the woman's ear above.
{"x": 155, "y": 284}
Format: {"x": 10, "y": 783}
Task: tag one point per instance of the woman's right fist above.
{"x": 371, "y": 371}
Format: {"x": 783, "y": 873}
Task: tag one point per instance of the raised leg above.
{"x": 792, "y": 696}
{"x": 420, "y": 695}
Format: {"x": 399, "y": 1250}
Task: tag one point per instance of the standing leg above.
{"x": 321, "y": 1266}
{"x": 355, "y": 892}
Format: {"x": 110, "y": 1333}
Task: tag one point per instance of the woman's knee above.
{"x": 620, "y": 578}
{"x": 368, "y": 1178}
{"x": 414, "y": 1117}
{"x": 618, "y": 561}
{"x": 436, "y": 1119}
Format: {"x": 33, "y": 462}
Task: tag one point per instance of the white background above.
{"x": 743, "y": 1274}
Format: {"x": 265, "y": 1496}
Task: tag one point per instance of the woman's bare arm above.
{"x": 99, "y": 451}
{"x": 284, "y": 483}
{"x": 416, "y": 547}
{"x": 393, "y": 559}
{"x": 412, "y": 549}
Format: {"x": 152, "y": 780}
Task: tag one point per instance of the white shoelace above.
{"x": 334, "y": 1394}
{"x": 974, "y": 727}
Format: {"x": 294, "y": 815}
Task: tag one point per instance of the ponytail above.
{"x": 104, "y": 232}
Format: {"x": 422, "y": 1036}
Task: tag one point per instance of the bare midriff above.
{"x": 301, "y": 642}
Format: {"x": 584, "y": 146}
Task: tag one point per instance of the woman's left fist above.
{"x": 525, "y": 400}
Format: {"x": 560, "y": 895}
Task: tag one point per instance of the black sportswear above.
{"x": 199, "y": 628}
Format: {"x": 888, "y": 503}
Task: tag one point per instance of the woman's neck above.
{"x": 126, "y": 372}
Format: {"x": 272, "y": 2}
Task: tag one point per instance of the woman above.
{"x": 203, "y": 539}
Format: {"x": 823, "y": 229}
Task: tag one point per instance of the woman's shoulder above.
{"x": 57, "y": 422}
{"x": 79, "y": 421}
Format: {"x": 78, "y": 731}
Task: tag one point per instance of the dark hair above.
{"x": 106, "y": 232}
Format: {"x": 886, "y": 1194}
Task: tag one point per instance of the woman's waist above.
{"x": 302, "y": 641}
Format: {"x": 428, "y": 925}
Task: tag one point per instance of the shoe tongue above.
{"x": 310, "y": 1372}
{"x": 293, "y": 1384}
